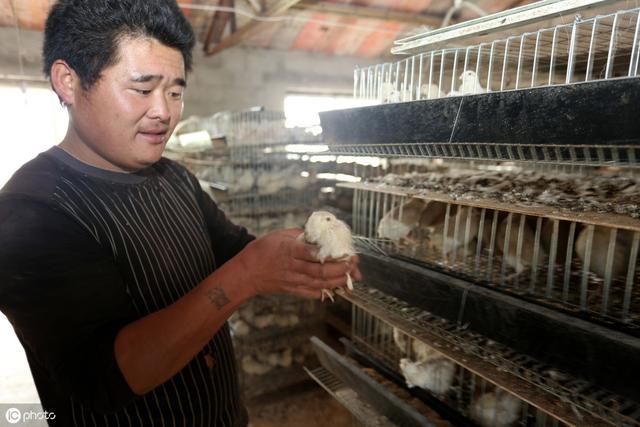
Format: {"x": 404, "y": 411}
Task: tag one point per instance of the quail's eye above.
{"x": 327, "y": 219}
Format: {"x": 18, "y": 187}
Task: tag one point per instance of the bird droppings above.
{"x": 603, "y": 193}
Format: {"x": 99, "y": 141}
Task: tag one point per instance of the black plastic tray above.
{"x": 592, "y": 113}
{"x": 598, "y": 354}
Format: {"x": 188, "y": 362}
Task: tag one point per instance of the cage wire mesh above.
{"x": 580, "y": 266}
{"x": 255, "y": 175}
{"x": 598, "y": 48}
{"x": 576, "y": 155}
{"x": 363, "y": 413}
{"x": 394, "y": 333}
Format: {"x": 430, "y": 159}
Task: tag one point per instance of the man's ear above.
{"x": 65, "y": 82}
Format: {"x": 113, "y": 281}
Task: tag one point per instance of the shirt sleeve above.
{"x": 66, "y": 300}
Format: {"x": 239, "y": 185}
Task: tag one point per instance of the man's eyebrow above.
{"x": 144, "y": 78}
{"x": 151, "y": 77}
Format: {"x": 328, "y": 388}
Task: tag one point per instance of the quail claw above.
{"x": 327, "y": 293}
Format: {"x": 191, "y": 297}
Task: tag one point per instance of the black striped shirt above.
{"x": 83, "y": 252}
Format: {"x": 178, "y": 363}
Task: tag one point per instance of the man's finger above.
{"x": 304, "y": 251}
{"x": 315, "y": 270}
{"x": 291, "y": 232}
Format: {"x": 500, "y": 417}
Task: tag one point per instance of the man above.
{"x": 117, "y": 272}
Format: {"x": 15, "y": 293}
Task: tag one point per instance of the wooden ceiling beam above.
{"x": 219, "y": 23}
{"x": 250, "y": 28}
{"x": 353, "y": 11}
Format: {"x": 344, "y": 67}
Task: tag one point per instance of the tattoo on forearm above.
{"x": 218, "y": 297}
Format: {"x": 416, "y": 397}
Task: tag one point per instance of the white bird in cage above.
{"x": 435, "y": 375}
{"x": 243, "y": 181}
{"x": 497, "y": 408}
{"x": 431, "y": 91}
{"x": 454, "y": 240}
{"x": 401, "y": 340}
{"x": 393, "y": 226}
{"x": 600, "y": 250}
{"x": 334, "y": 239}
{"x": 524, "y": 260}
{"x": 239, "y": 327}
{"x": 389, "y": 93}
{"x": 253, "y": 367}
{"x": 424, "y": 352}
{"x": 470, "y": 83}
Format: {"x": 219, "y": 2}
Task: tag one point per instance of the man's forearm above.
{"x": 154, "y": 348}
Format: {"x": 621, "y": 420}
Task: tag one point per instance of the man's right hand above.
{"x": 278, "y": 263}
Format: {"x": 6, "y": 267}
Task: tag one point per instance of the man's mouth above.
{"x": 154, "y": 135}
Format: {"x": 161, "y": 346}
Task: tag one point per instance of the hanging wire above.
{"x": 283, "y": 18}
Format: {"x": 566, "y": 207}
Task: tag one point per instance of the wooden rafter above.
{"x": 219, "y": 23}
{"x": 250, "y": 28}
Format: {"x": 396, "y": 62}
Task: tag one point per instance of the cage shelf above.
{"x": 559, "y": 394}
{"x": 592, "y": 123}
{"x": 580, "y": 347}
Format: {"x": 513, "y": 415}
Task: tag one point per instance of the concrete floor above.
{"x": 308, "y": 406}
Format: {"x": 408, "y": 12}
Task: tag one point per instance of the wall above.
{"x": 234, "y": 79}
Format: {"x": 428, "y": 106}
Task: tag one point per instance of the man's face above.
{"x": 126, "y": 118}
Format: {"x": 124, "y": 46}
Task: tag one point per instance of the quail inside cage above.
{"x": 513, "y": 239}
{"x": 479, "y": 378}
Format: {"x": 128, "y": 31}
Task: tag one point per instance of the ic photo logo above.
{"x": 13, "y": 415}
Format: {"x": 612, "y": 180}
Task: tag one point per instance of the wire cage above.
{"x": 255, "y": 175}
{"x": 583, "y": 263}
{"x": 440, "y": 357}
{"x": 273, "y": 364}
{"x": 599, "y": 48}
{"x": 555, "y": 99}
{"x": 268, "y": 316}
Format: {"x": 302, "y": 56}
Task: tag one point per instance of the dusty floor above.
{"x": 304, "y": 406}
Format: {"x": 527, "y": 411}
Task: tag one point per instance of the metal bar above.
{"x": 519, "y": 66}
{"x": 534, "y": 71}
{"x": 542, "y": 10}
{"x": 505, "y": 63}
{"x": 567, "y": 263}
{"x": 552, "y": 63}
{"x": 612, "y": 48}
{"x": 613, "y": 235}
{"x": 453, "y": 72}
{"x": 572, "y": 54}
{"x": 633, "y": 257}
{"x": 419, "y": 92}
{"x": 478, "y": 60}
{"x": 505, "y": 247}
{"x": 553, "y": 250}
{"x": 445, "y": 232}
{"x": 442, "y": 53}
{"x": 411, "y": 84}
{"x": 481, "y": 225}
{"x": 585, "y": 268}
{"x": 431, "y": 76}
{"x": 633, "y": 69}
{"x": 589, "y": 72}
{"x": 536, "y": 254}
{"x": 404, "y": 88}
{"x": 490, "y": 69}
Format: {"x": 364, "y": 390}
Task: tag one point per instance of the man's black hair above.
{"x": 86, "y": 33}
